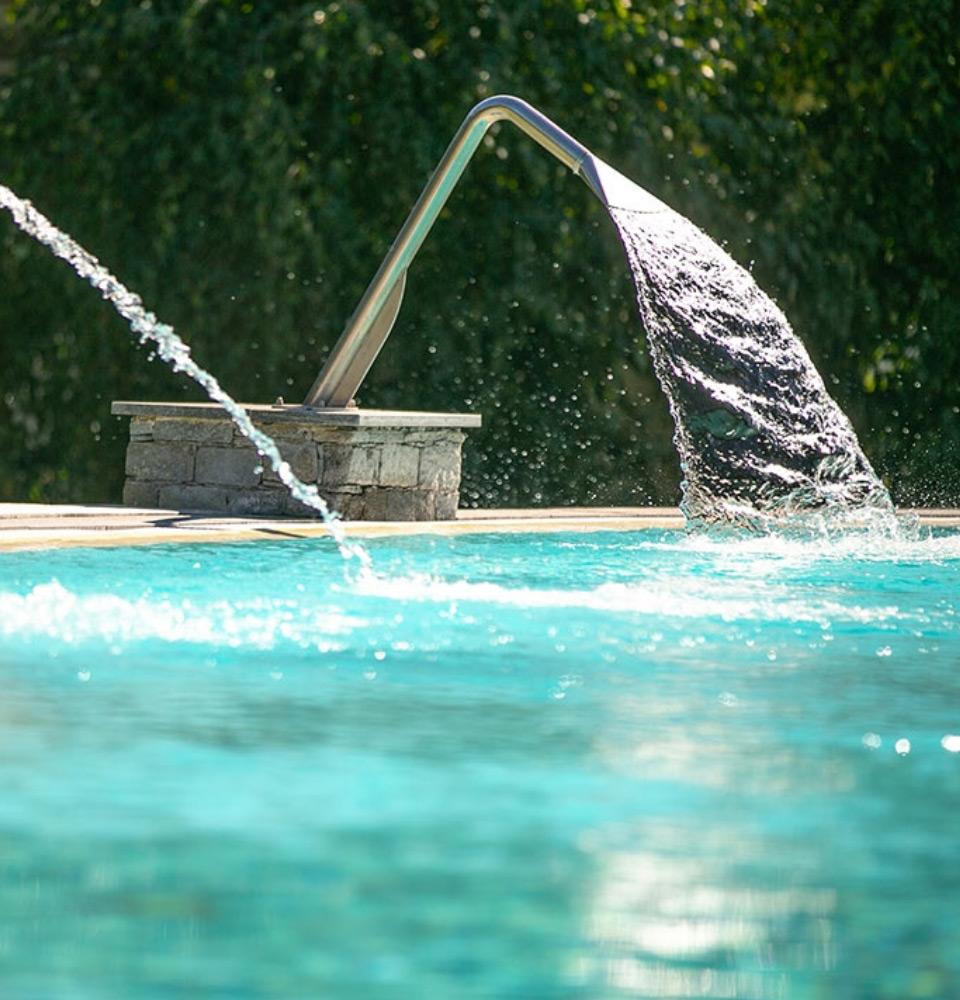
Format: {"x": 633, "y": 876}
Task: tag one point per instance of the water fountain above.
{"x": 756, "y": 431}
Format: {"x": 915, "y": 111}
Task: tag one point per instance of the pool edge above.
{"x": 42, "y": 526}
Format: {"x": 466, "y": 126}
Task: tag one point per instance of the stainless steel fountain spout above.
{"x": 373, "y": 319}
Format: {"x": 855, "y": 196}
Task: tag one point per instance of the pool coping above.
{"x": 40, "y": 526}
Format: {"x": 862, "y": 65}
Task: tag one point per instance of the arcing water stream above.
{"x": 173, "y": 350}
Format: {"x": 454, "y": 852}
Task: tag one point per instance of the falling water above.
{"x": 173, "y": 350}
{"x": 757, "y": 433}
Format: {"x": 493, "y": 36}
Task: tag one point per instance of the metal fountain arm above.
{"x": 368, "y": 328}
{"x": 373, "y": 319}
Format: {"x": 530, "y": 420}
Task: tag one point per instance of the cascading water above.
{"x": 757, "y": 433}
{"x": 173, "y": 350}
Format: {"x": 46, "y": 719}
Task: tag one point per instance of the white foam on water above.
{"x": 677, "y": 597}
{"x": 58, "y": 616}
{"x": 795, "y": 549}
{"x": 678, "y": 576}
{"x": 54, "y": 612}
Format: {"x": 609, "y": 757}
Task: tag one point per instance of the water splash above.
{"x": 758, "y": 435}
{"x": 175, "y": 352}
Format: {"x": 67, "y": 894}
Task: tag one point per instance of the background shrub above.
{"x": 245, "y": 165}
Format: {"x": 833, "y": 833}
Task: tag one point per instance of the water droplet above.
{"x": 902, "y": 746}
{"x": 951, "y": 743}
{"x": 379, "y": 655}
{"x": 83, "y": 675}
{"x": 884, "y": 651}
{"x": 872, "y": 741}
{"x": 727, "y": 698}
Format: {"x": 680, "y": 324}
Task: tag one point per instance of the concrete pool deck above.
{"x": 38, "y": 526}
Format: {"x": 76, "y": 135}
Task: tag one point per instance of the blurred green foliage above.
{"x": 245, "y": 165}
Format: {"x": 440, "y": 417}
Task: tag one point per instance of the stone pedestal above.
{"x": 375, "y": 465}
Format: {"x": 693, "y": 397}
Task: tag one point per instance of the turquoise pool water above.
{"x": 605, "y": 765}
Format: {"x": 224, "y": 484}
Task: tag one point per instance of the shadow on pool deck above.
{"x": 31, "y": 526}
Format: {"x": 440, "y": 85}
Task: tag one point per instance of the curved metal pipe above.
{"x": 368, "y": 328}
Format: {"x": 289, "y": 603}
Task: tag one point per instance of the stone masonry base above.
{"x": 367, "y": 465}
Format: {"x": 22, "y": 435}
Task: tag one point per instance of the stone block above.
{"x": 159, "y": 462}
{"x": 445, "y": 506}
{"x": 344, "y": 464}
{"x": 267, "y": 502}
{"x": 286, "y": 431}
{"x": 194, "y": 431}
{"x": 368, "y": 465}
{"x": 228, "y": 467}
{"x": 141, "y": 429}
{"x": 332, "y": 435}
{"x": 372, "y": 436}
{"x": 440, "y": 467}
{"x": 398, "y": 505}
{"x": 399, "y": 465}
{"x": 348, "y": 505}
{"x": 140, "y": 494}
{"x": 430, "y": 435}
{"x": 302, "y": 458}
{"x": 189, "y": 496}
{"x": 294, "y": 508}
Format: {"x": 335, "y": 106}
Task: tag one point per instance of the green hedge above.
{"x": 245, "y": 165}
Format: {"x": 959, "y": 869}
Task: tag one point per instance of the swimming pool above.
{"x": 618, "y": 764}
